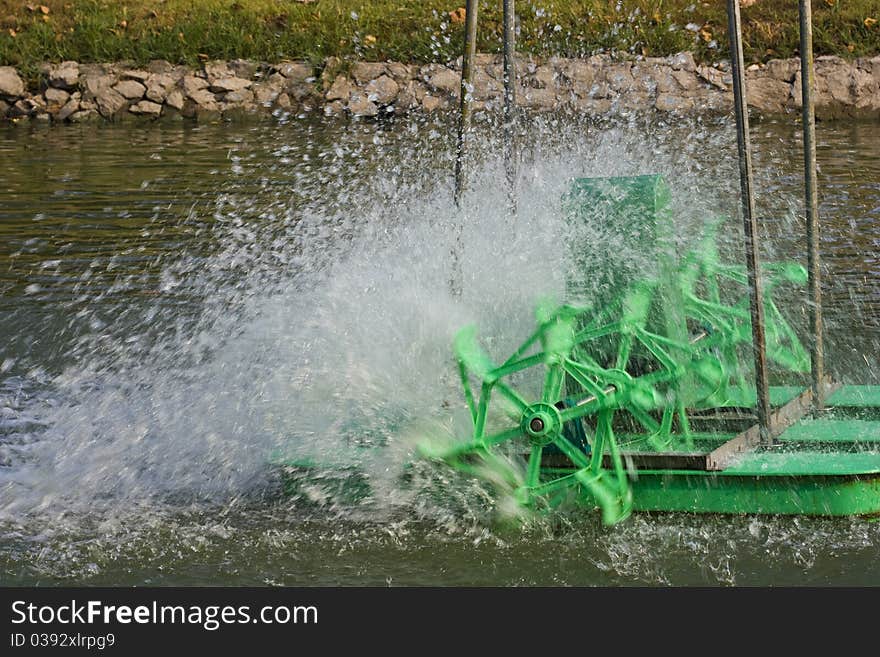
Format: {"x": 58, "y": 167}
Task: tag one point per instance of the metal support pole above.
{"x": 510, "y": 156}
{"x": 750, "y": 225}
{"x": 464, "y": 127}
{"x": 811, "y": 203}
{"x": 467, "y": 84}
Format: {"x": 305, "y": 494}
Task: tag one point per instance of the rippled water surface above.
{"x": 178, "y": 302}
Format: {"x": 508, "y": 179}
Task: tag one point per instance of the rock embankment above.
{"x": 72, "y": 92}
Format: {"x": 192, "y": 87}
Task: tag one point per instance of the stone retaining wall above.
{"x": 72, "y": 92}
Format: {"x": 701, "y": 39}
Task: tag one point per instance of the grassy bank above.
{"x": 185, "y": 31}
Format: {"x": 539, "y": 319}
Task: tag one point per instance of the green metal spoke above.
{"x": 468, "y": 391}
{"x": 482, "y": 410}
{"x": 509, "y": 393}
{"x": 518, "y": 366}
{"x": 501, "y": 436}
{"x": 553, "y": 384}
{"x": 561, "y": 483}
{"x": 575, "y": 455}
{"x": 533, "y": 474}
{"x": 592, "y": 334}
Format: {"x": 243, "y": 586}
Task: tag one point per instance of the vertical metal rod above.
{"x": 811, "y": 203}
{"x": 464, "y": 127}
{"x": 510, "y": 155}
{"x": 750, "y": 225}
{"x": 467, "y": 81}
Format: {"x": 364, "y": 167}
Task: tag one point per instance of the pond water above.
{"x": 178, "y": 301}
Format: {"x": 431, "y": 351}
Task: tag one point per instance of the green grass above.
{"x": 187, "y": 31}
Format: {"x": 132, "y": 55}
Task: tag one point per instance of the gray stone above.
{"x": 431, "y": 103}
{"x": 64, "y": 76}
{"x": 217, "y": 70}
{"x": 296, "y": 71}
{"x": 782, "y": 69}
{"x": 192, "y": 84}
{"x": 69, "y": 109}
{"x": 130, "y": 89}
{"x": 383, "y": 90}
{"x": 205, "y": 100}
{"x": 419, "y": 90}
{"x": 593, "y": 106}
{"x": 283, "y": 101}
{"x": 84, "y": 116}
{"x": 135, "y": 74}
{"x": 862, "y": 84}
{"x": 277, "y": 80}
{"x": 873, "y": 65}
{"x": 620, "y": 77}
{"x": 683, "y": 61}
{"x": 600, "y": 89}
{"x": 189, "y": 109}
{"x": 635, "y": 100}
{"x": 673, "y": 103}
{"x": 686, "y": 80}
{"x": 95, "y": 84}
{"x": 340, "y": 89}
{"x": 94, "y": 71}
{"x": 265, "y": 93}
{"x": 360, "y": 105}
{"x": 581, "y": 74}
{"x": 241, "y": 97}
{"x": 536, "y": 98}
{"x": 109, "y": 102}
{"x": 485, "y": 86}
{"x": 223, "y": 85}
{"x": 22, "y": 108}
{"x": 484, "y": 59}
{"x": 407, "y": 98}
{"x": 4, "y": 107}
{"x": 833, "y": 82}
{"x": 160, "y": 67}
{"x": 244, "y": 68}
{"x": 158, "y": 86}
{"x": 444, "y": 79}
{"x": 300, "y": 90}
{"x": 544, "y": 77}
{"x": 664, "y": 80}
{"x": 335, "y": 108}
{"x": 713, "y": 76}
{"x": 175, "y": 99}
{"x": 11, "y": 85}
{"x": 717, "y": 101}
{"x": 767, "y": 94}
{"x": 146, "y": 107}
{"x": 38, "y": 102}
{"x": 363, "y": 72}
{"x": 56, "y": 97}
{"x": 332, "y": 68}
{"x": 400, "y": 72}
{"x": 866, "y": 89}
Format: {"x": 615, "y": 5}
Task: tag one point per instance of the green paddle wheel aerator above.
{"x": 640, "y": 401}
